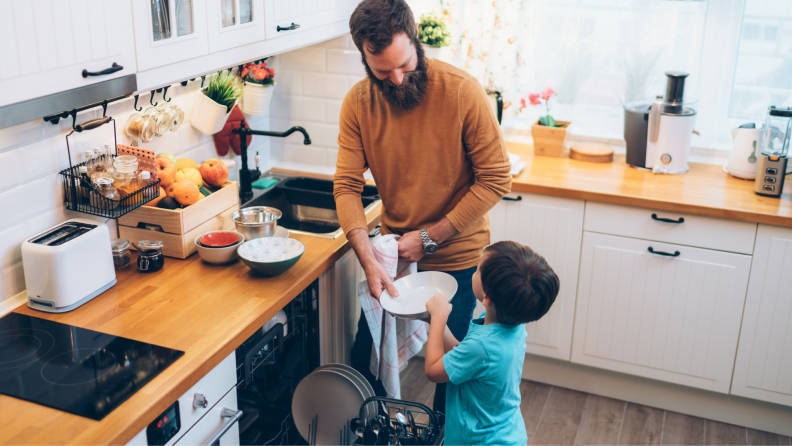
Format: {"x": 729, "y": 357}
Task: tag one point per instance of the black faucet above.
{"x": 246, "y": 175}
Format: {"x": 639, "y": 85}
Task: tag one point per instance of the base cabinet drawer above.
{"x": 221, "y": 419}
{"x": 672, "y": 315}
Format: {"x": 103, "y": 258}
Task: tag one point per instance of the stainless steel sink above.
{"x": 307, "y": 204}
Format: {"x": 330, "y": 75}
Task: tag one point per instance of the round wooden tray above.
{"x": 591, "y": 152}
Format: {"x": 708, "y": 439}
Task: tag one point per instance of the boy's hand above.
{"x": 439, "y": 307}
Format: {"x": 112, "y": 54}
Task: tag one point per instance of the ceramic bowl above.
{"x": 415, "y": 290}
{"x": 219, "y": 239}
{"x": 220, "y": 255}
{"x": 271, "y": 256}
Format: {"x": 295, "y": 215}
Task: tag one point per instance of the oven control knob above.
{"x": 200, "y": 401}
{"x": 665, "y": 158}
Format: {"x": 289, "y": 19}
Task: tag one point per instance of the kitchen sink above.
{"x": 307, "y": 204}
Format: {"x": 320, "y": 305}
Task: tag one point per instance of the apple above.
{"x": 214, "y": 172}
{"x": 189, "y": 174}
{"x": 166, "y": 171}
{"x": 170, "y": 157}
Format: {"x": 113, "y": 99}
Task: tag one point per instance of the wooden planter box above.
{"x": 549, "y": 141}
{"x": 178, "y": 229}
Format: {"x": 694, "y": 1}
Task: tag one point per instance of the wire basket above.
{"x": 80, "y": 195}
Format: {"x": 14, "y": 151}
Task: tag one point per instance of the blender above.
{"x": 775, "y": 148}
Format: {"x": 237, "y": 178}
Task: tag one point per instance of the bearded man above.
{"x": 434, "y": 147}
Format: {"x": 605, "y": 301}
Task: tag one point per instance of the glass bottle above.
{"x": 144, "y": 179}
{"x": 89, "y": 164}
{"x": 150, "y": 258}
{"x": 85, "y": 186}
{"x": 98, "y": 159}
{"x": 108, "y": 164}
{"x": 105, "y": 196}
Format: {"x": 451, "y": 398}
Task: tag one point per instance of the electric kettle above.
{"x": 746, "y": 149}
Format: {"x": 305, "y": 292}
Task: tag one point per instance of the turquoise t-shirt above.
{"x": 483, "y": 397}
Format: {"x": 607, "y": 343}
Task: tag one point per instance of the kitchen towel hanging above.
{"x": 395, "y": 340}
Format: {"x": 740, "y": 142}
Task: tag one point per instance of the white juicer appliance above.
{"x": 670, "y": 129}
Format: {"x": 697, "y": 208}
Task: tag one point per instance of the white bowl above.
{"x": 218, "y": 255}
{"x": 271, "y": 256}
{"x": 415, "y": 290}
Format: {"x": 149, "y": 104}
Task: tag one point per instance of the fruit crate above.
{"x": 177, "y": 229}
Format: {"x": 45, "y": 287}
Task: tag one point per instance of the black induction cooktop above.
{"x": 80, "y": 371}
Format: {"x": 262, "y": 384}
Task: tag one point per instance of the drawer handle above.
{"x": 233, "y": 416}
{"x": 663, "y": 253}
{"x": 667, "y": 220}
{"x": 518, "y": 198}
{"x": 288, "y": 28}
{"x": 115, "y": 67}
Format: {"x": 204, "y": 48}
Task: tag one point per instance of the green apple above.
{"x": 170, "y": 157}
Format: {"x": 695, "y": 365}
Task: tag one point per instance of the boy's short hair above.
{"x": 518, "y": 281}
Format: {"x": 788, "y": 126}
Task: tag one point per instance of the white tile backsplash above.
{"x": 328, "y": 86}
{"x": 344, "y": 62}
{"x": 13, "y": 280}
{"x": 307, "y": 109}
{"x": 9, "y": 171}
{"x": 332, "y": 111}
{"x": 10, "y": 243}
{"x": 40, "y": 159}
{"x": 311, "y": 58}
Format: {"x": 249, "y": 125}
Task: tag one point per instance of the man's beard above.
{"x": 411, "y": 92}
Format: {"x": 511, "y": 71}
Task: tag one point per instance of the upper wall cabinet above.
{"x": 285, "y": 17}
{"x": 234, "y": 23}
{"x": 49, "y": 46}
{"x": 168, "y": 31}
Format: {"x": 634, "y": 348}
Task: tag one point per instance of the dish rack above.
{"x": 82, "y": 197}
{"x": 424, "y": 427}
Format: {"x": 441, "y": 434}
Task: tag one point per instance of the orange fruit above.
{"x": 186, "y": 192}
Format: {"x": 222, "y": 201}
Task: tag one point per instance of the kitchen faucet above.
{"x": 246, "y": 175}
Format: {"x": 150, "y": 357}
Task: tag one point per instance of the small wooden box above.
{"x": 177, "y": 229}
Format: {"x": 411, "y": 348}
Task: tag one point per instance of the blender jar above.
{"x": 777, "y": 132}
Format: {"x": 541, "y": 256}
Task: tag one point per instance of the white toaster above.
{"x": 68, "y": 265}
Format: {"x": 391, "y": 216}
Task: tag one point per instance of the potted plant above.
{"x": 214, "y": 103}
{"x": 548, "y": 134}
{"x": 434, "y": 34}
{"x": 259, "y": 85}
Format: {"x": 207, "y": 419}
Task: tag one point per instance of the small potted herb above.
{"x": 548, "y": 134}
{"x": 259, "y": 85}
{"x": 214, "y": 103}
{"x": 434, "y": 34}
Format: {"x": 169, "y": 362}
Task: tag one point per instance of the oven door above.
{"x": 220, "y": 426}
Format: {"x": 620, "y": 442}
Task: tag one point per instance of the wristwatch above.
{"x": 429, "y": 245}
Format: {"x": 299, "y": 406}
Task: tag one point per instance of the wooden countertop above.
{"x": 704, "y": 190}
{"x": 205, "y": 310}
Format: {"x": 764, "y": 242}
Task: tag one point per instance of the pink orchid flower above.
{"x": 534, "y": 99}
{"x": 547, "y": 93}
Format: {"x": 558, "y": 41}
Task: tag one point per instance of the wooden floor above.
{"x": 558, "y": 416}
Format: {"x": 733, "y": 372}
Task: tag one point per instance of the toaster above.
{"x": 68, "y": 265}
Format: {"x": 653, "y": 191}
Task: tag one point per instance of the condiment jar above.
{"x": 126, "y": 173}
{"x": 150, "y": 258}
{"x": 175, "y": 116}
{"x": 139, "y": 126}
{"x": 121, "y": 255}
{"x": 159, "y": 120}
{"x": 104, "y": 195}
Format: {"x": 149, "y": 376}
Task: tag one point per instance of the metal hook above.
{"x": 184, "y": 83}
{"x": 229, "y": 69}
{"x": 203, "y": 78}
{"x": 164, "y": 93}
{"x": 135, "y": 106}
{"x": 73, "y": 114}
{"x": 104, "y": 108}
{"x": 151, "y": 99}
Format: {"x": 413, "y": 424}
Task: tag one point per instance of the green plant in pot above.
{"x": 434, "y": 34}
{"x": 548, "y": 134}
{"x": 215, "y": 102}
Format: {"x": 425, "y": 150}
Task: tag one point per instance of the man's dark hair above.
{"x": 518, "y": 281}
{"x": 374, "y": 23}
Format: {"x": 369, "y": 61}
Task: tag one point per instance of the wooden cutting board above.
{"x": 591, "y": 152}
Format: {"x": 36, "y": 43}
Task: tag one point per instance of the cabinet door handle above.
{"x": 232, "y": 417}
{"x": 518, "y": 198}
{"x": 663, "y": 253}
{"x": 667, "y": 220}
{"x": 288, "y": 28}
{"x": 115, "y": 67}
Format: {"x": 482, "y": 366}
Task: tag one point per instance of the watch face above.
{"x": 430, "y": 248}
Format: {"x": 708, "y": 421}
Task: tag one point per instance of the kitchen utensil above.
{"x": 415, "y": 290}
{"x": 775, "y": 150}
{"x": 219, "y": 255}
{"x": 670, "y": 129}
{"x": 271, "y": 256}
{"x": 68, "y": 265}
{"x": 742, "y": 159}
{"x": 591, "y": 152}
{"x": 219, "y": 239}
{"x": 257, "y": 221}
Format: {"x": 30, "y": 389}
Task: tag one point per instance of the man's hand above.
{"x": 378, "y": 279}
{"x": 439, "y": 307}
{"x": 411, "y": 247}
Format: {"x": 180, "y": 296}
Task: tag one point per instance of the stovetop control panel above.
{"x": 164, "y": 427}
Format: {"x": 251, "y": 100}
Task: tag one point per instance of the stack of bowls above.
{"x": 257, "y": 221}
{"x": 219, "y": 246}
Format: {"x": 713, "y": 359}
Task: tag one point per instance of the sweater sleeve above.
{"x": 348, "y": 181}
{"x": 486, "y": 150}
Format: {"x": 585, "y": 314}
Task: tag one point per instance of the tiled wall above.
{"x": 32, "y": 154}
{"x": 311, "y": 84}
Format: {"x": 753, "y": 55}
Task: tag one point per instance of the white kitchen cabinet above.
{"x": 48, "y": 44}
{"x": 288, "y": 17}
{"x": 339, "y": 309}
{"x": 168, "y": 31}
{"x": 233, "y": 23}
{"x": 671, "y": 318}
{"x": 763, "y": 369}
{"x": 553, "y": 228}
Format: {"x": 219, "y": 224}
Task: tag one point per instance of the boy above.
{"x": 516, "y": 286}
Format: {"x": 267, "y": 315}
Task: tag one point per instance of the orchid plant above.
{"x": 534, "y": 99}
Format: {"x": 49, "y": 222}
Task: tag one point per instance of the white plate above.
{"x": 329, "y": 397}
{"x": 415, "y": 290}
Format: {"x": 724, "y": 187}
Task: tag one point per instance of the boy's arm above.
{"x": 449, "y": 341}
{"x": 439, "y": 308}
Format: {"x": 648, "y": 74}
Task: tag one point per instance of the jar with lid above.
{"x": 126, "y": 173}
{"x": 174, "y": 114}
{"x": 150, "y": 258}
{"x": 121, "y": 256}
{"x": 159, "y": 120}
{"x": 139, "y": 126}
{"x": 104, "y": 195}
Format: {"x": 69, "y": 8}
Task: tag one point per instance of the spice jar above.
{"x": 121, "y": 255}
{"x": 125, "y": 177}
{"x": 150, "y": 258}
{"x": 159, "y": 120}
{"x": 139, "y": 126}
{"x": 105, "y": 196}
{"x": 174, "y": 114}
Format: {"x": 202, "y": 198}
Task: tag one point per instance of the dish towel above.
{"x": 396, "y": 340}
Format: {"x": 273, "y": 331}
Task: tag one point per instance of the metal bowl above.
{"x": 257, "y": 221}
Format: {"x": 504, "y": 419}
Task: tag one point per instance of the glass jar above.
{"x": 105, "y": 196}
{"x": 150, "y": 258}
{"x": 174, "y": 114}
{"x": 126, "y": 173}
{"x": 159, "y": 120}
{"x": 121, "y": 255}
{"x": 139, "y": 127}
